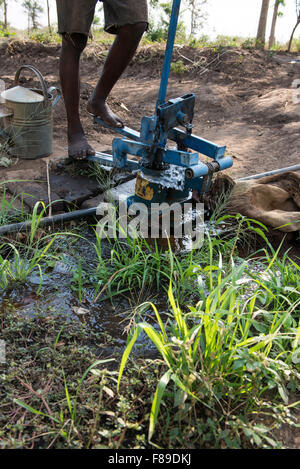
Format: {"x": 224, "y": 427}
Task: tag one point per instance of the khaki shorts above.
{"x": 76, "y": 16}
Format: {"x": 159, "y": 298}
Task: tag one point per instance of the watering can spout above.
{"x": 55, "y": 100}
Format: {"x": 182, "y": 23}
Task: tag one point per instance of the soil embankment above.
{"x": 244, "y": 98}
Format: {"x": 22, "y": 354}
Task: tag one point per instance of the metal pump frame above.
{"x": 150, "y": 143}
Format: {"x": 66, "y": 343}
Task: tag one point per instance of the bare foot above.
{"x": 99, "y": 108}
{"x": 79, "y": 148}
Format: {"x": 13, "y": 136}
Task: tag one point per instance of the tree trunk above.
{"x": 261, "y": 32}
{"x": 5, "y": 14}
{"x": 34, "y": 19}
{"x": 192, "y": 18}
{"x": 274, "y": 20}
{"x": 292, "y": 36}
{"x": 48, "y": 15}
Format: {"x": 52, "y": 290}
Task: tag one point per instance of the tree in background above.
{"x": 33, "y": 10}
{"x": 276, "y": 14}
{"x": 158, "y": 28}
{"x": 197, "y": 15}
{"x": 4, "y": 3}
{"x": 261, "y": 32}
{"x": 296, "y": 25}
{"x": 166, "y": 8}
{"x": 97, "y": 21}
{"x": 48, "y": 17}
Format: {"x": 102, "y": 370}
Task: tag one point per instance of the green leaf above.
{"x": 162, "y": 384}
{"x": 127, "y": 353}
{"x": 68, "y": 396}
{"x": 34, "y": 411}
{"x": 283, "y": 393}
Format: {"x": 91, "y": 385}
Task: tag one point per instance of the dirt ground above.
{"x": 244, "y": 98}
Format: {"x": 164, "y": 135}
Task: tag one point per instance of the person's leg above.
{"x": 74, "y": 21}
{"x": 120, "y": 54}
{"x": 72, "y": 47}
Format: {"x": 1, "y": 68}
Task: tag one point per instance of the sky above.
{"x": 226, "y": 17}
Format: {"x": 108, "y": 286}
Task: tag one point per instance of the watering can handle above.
{"x": 40, "y": 77}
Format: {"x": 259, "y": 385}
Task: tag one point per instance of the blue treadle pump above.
{"x": 166, "y": 173}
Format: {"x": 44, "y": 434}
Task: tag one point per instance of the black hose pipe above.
{"x": 47, "y": 221}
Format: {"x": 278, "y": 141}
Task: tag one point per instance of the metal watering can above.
{"x": 28, "y": 122}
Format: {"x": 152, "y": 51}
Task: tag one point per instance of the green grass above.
{"x": 135, "y": 263}
{"x": 44, "y": 37}
{"x": 224, "y": 353}
{"x": 19, "y": 259}
{"x": 223, "y": 41}
{"x": 153, "y": 36}
{"x": 5, "y": 32}
{"x": 16, "y": 267}
{"x": 8, "y": 213}
{"x": 228, "y": 355}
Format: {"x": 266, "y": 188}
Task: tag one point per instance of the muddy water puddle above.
{"x": 108, "y": 319}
